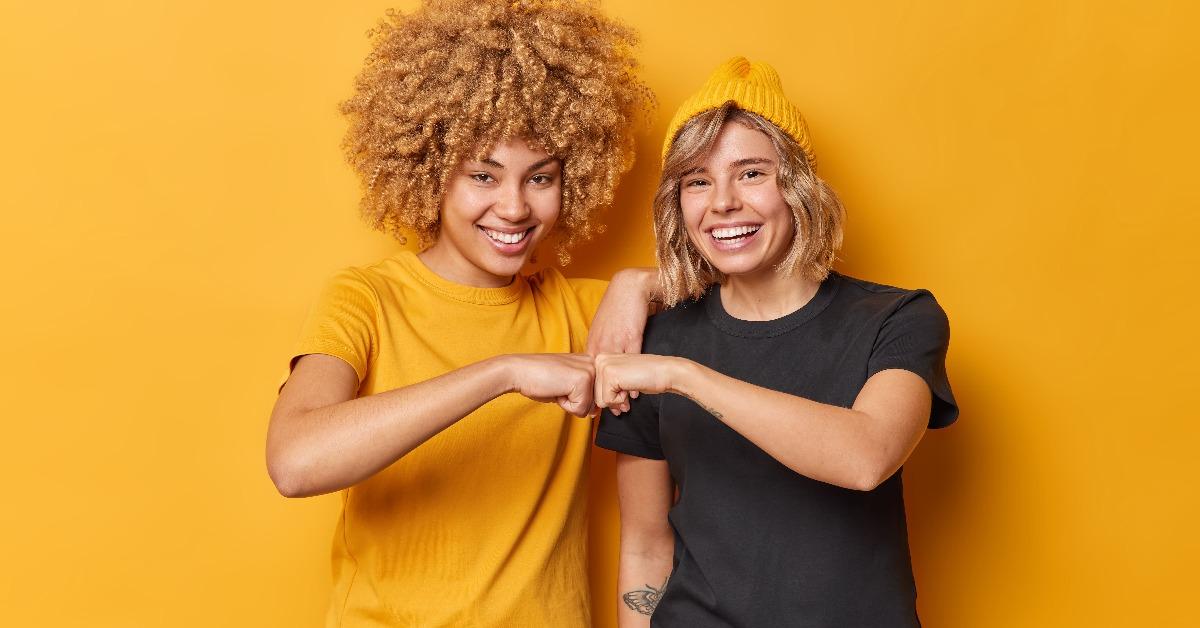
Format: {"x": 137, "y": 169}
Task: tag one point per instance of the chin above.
{"x": 502, "y": 266}
{"x": 733, "y": 267}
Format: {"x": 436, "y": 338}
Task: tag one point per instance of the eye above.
{"x": 695, "y": 183}
{"x": 481, "y": 177}
{"x": 753, "y": 174}
{"x": 541, "y": 179}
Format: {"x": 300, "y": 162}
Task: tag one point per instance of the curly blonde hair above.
{"x": 453, "y": 78}
{"x": 817, "y": 213}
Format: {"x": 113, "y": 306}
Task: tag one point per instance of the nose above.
{"x": 724, "y": 198}
{"x": 511, "y": 204}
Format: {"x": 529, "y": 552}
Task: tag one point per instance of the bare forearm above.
{"x": 643, "y": 280}
{"x": 336, "y": 446}
{"x": 646, "y": 491}
{"x": 641, "y": 578}
{"x": 621, "y": 316}
{"x": 840, "y": 446}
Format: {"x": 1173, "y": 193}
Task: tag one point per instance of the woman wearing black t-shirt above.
{"x": 798, "y": 392}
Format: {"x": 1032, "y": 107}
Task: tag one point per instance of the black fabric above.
{"x": 757, "y": 544}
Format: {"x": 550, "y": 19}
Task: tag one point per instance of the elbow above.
{"x": 869, "y": 475}
{"x": 865, "y": 483}
{"x": 288, "y": 475}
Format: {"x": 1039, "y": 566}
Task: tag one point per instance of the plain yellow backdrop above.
{"x": 174, "y": 194}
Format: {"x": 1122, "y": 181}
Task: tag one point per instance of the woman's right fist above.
{"x": 562, "y": 378}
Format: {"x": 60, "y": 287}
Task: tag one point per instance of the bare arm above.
{"x": 645, "y": 491}
{"x": 621, "y": 317}
{"x": 620, "y": 320}
{"x": 857, "y": 447}
{"x": 322, "y": 439}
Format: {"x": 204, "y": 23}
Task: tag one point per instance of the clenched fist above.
{"x": 620, "y": 376}
{"x": 562, "y": 378}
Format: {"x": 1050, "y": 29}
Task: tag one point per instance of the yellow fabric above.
{"x": 754, "y": 87}
{"x": 484, "y": 524}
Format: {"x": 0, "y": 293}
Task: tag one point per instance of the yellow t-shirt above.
{"x": 484, "y": 524}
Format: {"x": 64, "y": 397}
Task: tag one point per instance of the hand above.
{"x": 621, "y": 317}
{"x": 620, "y": 376}
{"x": 562, "y": 378}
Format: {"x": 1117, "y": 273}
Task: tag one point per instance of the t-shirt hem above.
{"x": 945, "y": 409}
{"x": 339, "y": 351}
{"x": 629, "y": 446}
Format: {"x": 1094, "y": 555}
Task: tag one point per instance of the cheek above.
{"x": 548, "y": 206}
{"x": 693, "y": 213}
{"x": 771, "y": 205}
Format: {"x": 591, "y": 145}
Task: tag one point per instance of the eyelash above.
{"x": 746, "y": 175}
{"x": 537, "y": 179}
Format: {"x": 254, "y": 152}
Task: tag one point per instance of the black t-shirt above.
{"x": 757, "y": 544}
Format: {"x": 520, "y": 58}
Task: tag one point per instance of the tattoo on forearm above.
{"x": 644, "y": 601}
{"x": 718, "y": 415}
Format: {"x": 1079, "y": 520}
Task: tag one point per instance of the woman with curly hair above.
{"x": 767, "y": 485}
{"x": 483, "y": 127}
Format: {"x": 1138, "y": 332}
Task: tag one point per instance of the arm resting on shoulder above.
{"x": 621, "y": 316}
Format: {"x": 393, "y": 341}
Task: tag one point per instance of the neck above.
{"x": 767, "y": 296}
{"x": 445, "y": 263}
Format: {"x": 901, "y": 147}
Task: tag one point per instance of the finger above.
{"x": 574, "y": 407}
{"x": 615, "y": 395}
{"x": 583, "y": 394}
{"x": 567, "y": 406}
{"x": 633, "y": 394}
{"x": 598, "y": 385}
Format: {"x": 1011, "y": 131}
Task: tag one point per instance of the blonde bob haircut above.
{"x": 817, "y": 213}
{"x": 448, "y": 81}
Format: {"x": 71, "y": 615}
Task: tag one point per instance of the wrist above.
{"x": 501, "y": 374}
{"x": 682, "y": 376}
{"x": 643, "y": 280}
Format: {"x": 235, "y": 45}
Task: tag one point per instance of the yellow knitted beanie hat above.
{"x": 754, "y": 87}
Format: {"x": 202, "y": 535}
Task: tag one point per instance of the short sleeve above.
{"x": 589, "y": 292}
{"x": 634, "y": 432}
{"x": 915, "y": 338}
{"x": 342, "y": 322}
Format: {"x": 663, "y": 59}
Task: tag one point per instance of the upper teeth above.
{"x": 733, "y": 232}
{"x": 506, "y": 238}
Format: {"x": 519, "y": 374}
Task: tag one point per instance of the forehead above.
{"x": 515, "y": 151}
{"x": 735, "y": 142}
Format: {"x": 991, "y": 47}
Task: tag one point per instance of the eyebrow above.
{"x": 733, "y": 166}
{"x": 495, "y": 164}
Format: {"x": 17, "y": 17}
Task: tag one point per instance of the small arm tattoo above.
{"x": 718, "y": 415}
{"x": 644, "y": 601}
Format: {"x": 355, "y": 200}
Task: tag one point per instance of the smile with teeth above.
{"x": 734, "y": 234}
{"x": 505, "y": 238}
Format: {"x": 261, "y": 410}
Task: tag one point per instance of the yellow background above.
{"x": 173, "y": 196}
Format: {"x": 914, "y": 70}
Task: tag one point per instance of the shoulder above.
{"x": 353, "y": 280}
{"x": 881, "y": 300}
{"x": 381, "y": 286}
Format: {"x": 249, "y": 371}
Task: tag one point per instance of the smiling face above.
{"x": 494, "y": 213}
{"x": 732, "y": 208}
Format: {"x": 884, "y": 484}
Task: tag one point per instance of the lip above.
{"x": 505, "y": 248}
{"x": 735, "y": 245}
